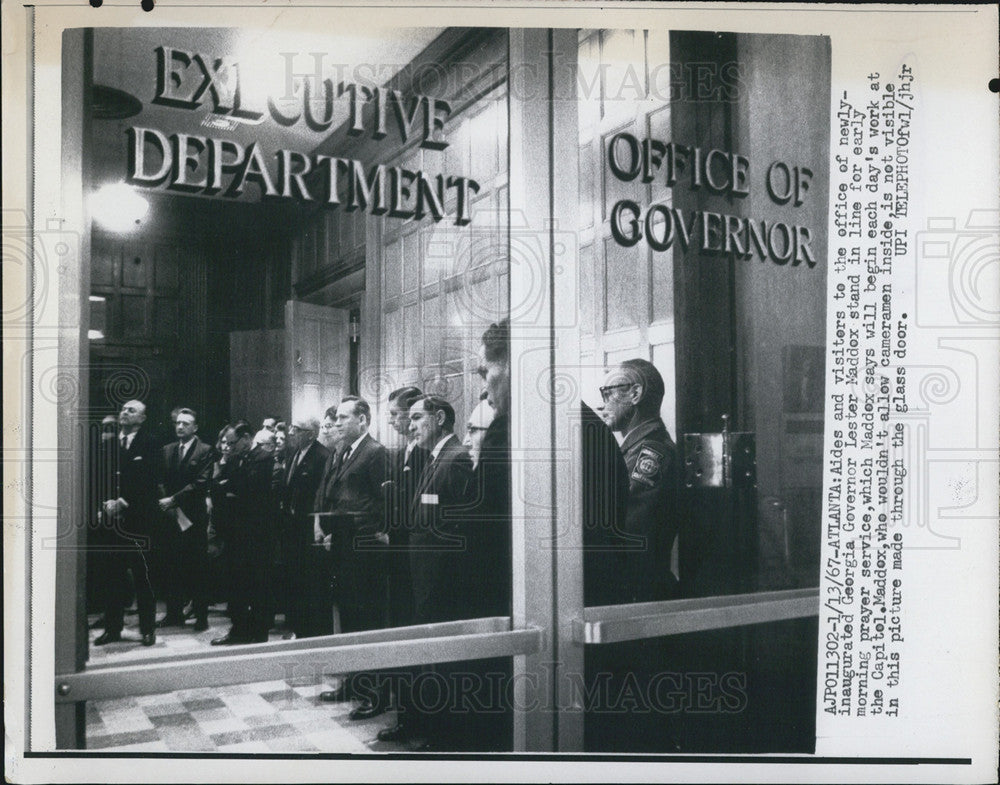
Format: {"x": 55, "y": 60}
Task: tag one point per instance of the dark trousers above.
{"x": 361, "y": 591}
{"x": 105, "y": 583}
{"x": 400, "y": 586}
{"x": 285, "y": 569}
{"x": 129, "y": 556}
{"x": 311, "y": 603}
{"x": 185, "y": 570}
{"x": 249, "y": 599}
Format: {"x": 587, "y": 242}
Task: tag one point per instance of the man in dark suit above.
{"x": 131, "y": 511}
{"x": 490, "y": 534}
{"x": 307, "y": 594}
{"x": 405, "y": 467}
{"x": 101, "y": 537}
{"x": 439, "y": 556}
{"x": 491, "y": 514}
{"x": 186, "y": 470}
{"x": 250, "y": 535}
{"x": 439, "y": 559}
{"x": 353, "y": 525}
{"x": 604, "y": 503}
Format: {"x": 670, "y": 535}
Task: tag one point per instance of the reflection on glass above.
{"x": 706, "y": 362}
{"x": 735, "y": 343}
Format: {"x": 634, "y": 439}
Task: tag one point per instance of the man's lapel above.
{"x": 433, "y": 465}
{"x": 133, "y": 445}
{"x": 425, "y": 478}
{"x": 352, "y": 457}
{"x": 293, "y": 466}
{"x": 332, "y": 471}
{"x": 185, "y": 457}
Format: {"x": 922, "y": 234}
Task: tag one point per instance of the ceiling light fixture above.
{"x": 118, "y": 207}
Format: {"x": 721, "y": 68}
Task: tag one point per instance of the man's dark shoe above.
{"x": 171, "y": 621}
{"x": 149, "y": 639}
{"x": 201, "y": 625}
{"x": 107, "y": 637}
{"x": 338, "y": 695}
{"x": 367, "y": 710}
{"x": 228, "y": 640}
{"x": 397, "y": 734}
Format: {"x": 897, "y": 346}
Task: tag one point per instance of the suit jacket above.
{"x": 489, "y": 525}
{"x": 246, "y": 485}
{"x": 104, "y": 461}
{"x": 299, "y": 485}
{"x": 440, "y": 556}
{"x": 606, "y": 542}
{"x": 402, "y": 478}
{"x": 186, "y": 479}
{"x": 136, "y": 483}
{"x": 351, "y": 490}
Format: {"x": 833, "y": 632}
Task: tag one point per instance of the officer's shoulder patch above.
{"x": 647, "y": 466}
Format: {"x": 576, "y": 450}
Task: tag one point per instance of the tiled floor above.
{"x": 272, "y": 716}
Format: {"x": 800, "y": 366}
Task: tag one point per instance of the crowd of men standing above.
{"x": 341, "y": 536}
{"x": 321, "y": 522}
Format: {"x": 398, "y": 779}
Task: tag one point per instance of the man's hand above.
{"x": 328, "y": 541}
{"x": 167, "y": 503}
{"x": 317, "y": 531}
{"x": 113, "y": 507}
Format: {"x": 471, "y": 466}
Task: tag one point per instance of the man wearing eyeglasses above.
{"x": 633, "y": 393}
{"x": 308, "y": 609}
{"x": 476, "y": 428}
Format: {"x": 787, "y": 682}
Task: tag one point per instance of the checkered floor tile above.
{"x": 271, "y": 716}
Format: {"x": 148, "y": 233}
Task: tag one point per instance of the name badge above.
{"x": 428, "y": 498}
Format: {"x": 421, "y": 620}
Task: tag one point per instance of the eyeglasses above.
{"x": 606, "y": 391}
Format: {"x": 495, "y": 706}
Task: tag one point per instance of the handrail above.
{"x": 143, "y": 656}
{"x": 617, "y": 623}
{"x": 354, "y": 652}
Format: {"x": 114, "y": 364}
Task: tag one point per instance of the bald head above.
{"x": 132, "y": 415}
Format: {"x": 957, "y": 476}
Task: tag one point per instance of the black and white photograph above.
{"x": 444, "y": 388}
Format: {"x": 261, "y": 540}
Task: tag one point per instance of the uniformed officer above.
{"x": 633, "y": 393}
